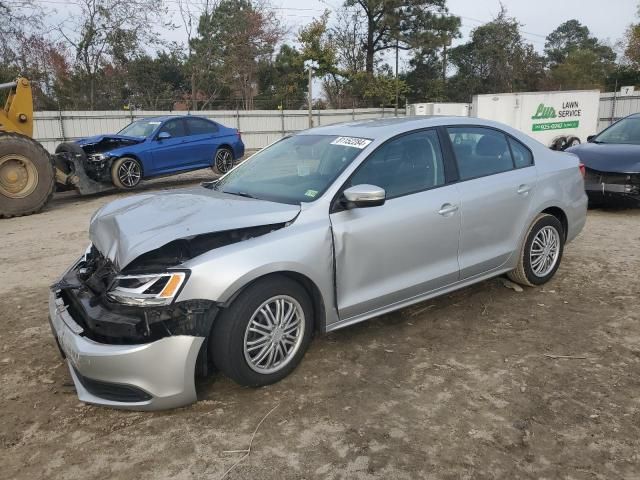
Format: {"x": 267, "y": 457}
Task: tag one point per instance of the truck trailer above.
{"x": 434, "y": 108}
{"x": 557, "y": 119}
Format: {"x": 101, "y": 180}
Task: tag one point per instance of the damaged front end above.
{"x": 128, "y": 341}
{"x": 129, "y": 355}
{"x": 92, "y": 290}
{"x": 86, "y": 164}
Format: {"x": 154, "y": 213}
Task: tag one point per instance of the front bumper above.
{"x": 149, "y": 376}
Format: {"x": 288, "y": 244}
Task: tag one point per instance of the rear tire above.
{"x": 27, "y": 176}
{"x": 126, "y": 173}
{"x": 541, "y": 253}
{"x": 222, "y": 161}
{"x": 242, "y": 332}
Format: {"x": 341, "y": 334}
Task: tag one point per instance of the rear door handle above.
{"x": 524, "y": 189}
{"x": 447, "y": 210}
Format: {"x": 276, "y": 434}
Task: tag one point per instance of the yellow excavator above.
{"x": 28, "y": 174}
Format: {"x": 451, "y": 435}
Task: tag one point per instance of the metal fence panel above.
{"x": 613, "y": 107}
{"x": 258, "y": 127}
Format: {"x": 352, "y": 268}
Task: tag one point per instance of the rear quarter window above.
{"x": 522, "y": 156}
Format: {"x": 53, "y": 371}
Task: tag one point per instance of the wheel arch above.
{"x": 129, "y": 155}
{"x": 228, "y": 147}
{"x": 561, "y": 216}
{"x": 317, "y": 300}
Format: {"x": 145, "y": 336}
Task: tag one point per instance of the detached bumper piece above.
{"x": 615, "y": 189}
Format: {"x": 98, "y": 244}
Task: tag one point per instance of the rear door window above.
{"x": 200, "y": 126}
{"x": 480, "y": 151}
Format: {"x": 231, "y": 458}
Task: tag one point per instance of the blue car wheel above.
{"x": 126, "y": 173}
{"x": 223, "y": 161}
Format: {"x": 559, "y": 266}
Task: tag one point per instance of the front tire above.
{"x": 27, "y": 176}
{"x": 222, "y": 161}
{"x": 262, "y": 337}
{"x": 541, "y": 253}
{"x": 126, "y": 173}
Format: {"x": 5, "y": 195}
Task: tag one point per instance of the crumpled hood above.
{"x": 609, "y": 157}
{"x": 109, "y": 138}
{"x": 125, "y": 229}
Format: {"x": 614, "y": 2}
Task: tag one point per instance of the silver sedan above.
{"x": 321, "y": 230}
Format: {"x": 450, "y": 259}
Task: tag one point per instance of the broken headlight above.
{"x": 146, "y": 290}
{"x": 98, "y": 157}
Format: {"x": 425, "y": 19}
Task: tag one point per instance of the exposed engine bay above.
{"x": 106, "y": 144}
{"x": 85, "y": 289}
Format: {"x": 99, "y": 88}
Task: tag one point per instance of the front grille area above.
{"x": 114, "y": 392}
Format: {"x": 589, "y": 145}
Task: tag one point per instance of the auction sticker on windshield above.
{"x": 351, "y": 142}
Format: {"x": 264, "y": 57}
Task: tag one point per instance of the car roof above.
{"x": 164, "y": 118}
{"x": 384, "y": 128}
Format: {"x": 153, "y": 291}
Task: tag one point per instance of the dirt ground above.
{"x": 460, "y": 387}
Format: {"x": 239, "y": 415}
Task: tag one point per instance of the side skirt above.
{"x": 417, "y": 299}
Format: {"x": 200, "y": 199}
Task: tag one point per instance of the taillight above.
{"x": 583, "y": 170}
{"x": 239, "y": 134}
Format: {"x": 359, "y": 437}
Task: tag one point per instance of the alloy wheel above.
{"x": 224, "y": 160}
{"x": 274, "y": 334}
{"x": 545, "y": 250}
{"x": 129, "y": 173}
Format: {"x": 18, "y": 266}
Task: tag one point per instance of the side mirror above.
{"x": 590, "y": 138}
{"x": 164, "y": 136}
{"x": 363, "y": 196}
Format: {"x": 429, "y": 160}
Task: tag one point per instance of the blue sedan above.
{"x": 157, "y": 146}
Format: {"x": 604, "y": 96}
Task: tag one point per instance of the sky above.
{"x": 607, "y": 20}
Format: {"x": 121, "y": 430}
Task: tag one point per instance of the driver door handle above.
{"x": 447, "y": 210}
{"x": 524, "y": 189}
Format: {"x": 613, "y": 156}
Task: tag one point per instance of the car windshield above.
{"x": 140, "y": 128}
{"x": 294, "y": 170}
{"x": 625, "y": 131}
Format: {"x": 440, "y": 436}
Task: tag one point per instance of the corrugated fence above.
{"x": 258, "y": 127}
{"x": 614, "y": 107}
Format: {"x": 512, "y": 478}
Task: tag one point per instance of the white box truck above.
{"x": 557, "y": 119}
{"x": 434, "y": 108}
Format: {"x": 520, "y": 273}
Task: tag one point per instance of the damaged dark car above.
{"x": 148, "y": 148}
{"x": 612, "y": 164}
